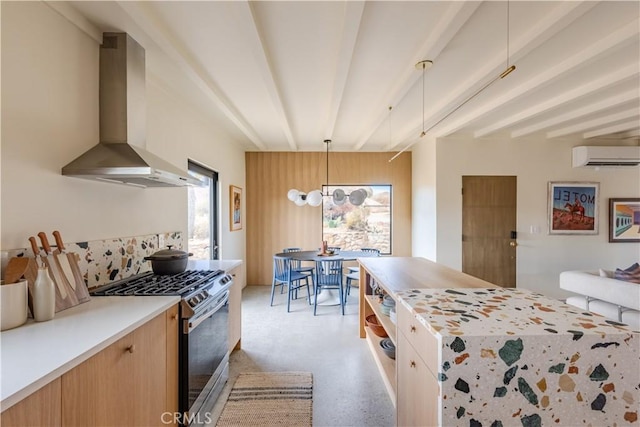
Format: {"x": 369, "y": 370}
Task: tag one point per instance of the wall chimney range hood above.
{"x": 119, "y": 157}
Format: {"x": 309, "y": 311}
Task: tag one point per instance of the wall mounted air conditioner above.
{"x": 606, "y": 156}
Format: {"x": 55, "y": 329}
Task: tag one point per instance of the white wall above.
{"x": 535, "y": 162}
{"x": 424, "y": 229}
{"x": 50, "y": 116}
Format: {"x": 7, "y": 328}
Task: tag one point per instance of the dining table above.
{"x": 327, "y": 297}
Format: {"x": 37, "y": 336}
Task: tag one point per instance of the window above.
{"x": 202, "y": 226}
{"x": 352, "y": 227}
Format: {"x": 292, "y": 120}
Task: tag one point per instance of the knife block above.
{"x": 62, "y": 303}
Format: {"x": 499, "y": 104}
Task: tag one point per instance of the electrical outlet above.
{"x": 161, "y": 242}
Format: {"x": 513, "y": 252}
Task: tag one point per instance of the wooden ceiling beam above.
{"x": 590, "y": 124}
{"x": 551, "y": 24}
{"x": 452, "y": 21}
{"x": 564, "y": 98}
{"x": 352, "y": 22}
{"x": 625, "y": 34}
{"x": 621, "y": 127}
{"x": 247, "y": 20}
{"x": 172, "y": 48}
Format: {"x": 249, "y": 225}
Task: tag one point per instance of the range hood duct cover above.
{"x": 118, "y": 157}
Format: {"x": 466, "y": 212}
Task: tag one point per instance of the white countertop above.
{"x": 36, "y": 353}
{"x": 219, "y": 264}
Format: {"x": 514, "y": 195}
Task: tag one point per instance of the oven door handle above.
{"x": 192, "y": 324}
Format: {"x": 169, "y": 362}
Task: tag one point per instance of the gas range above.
{"x": 203, "y": 362}
{"x": 196, "y": 288}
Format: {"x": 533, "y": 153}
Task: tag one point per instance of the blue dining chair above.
{"x": 283, "y": 275}
{"x": 328, "y": 275}
{"x": 296, "y": 265}
{"x": 354, "y": 272}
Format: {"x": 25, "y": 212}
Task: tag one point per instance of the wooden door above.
{"x": 488, "y": 220}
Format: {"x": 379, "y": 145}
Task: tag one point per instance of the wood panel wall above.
{"x": 273, "y": 222}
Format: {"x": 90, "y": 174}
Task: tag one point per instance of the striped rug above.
{"x": 269, "y": 399}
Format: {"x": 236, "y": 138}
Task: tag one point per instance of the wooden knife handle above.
{"x": 34, "y": 246}
{"x": 45, "y": 242}
{"x": 58, "y": 237}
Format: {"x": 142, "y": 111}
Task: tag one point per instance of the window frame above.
{"x": 325, "y": 191}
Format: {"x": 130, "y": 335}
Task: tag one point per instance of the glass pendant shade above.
{"x": 314, "y": 198}
{"x": 339, "y": 196}
{"x": 357, "y": 197}
{"x": 301, "y": 200}
{"x": 292, "y": 194}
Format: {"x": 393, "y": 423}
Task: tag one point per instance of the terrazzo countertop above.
{"x": 36, "y": 353}
{"x": 515, "y": 357}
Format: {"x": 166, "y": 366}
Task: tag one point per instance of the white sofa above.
{"x": 614, "y": 299}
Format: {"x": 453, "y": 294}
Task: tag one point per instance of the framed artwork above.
{"x": 573, "y": 207}
{"x": 235, "y": 207}
{"x": 624, "y": 220}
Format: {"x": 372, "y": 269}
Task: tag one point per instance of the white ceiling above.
{"x": 285, "y": 75}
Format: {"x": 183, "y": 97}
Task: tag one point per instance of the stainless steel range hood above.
{"x": 119, "y": 157}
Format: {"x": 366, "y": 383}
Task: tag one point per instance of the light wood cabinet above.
{"x": 132, "y": 382}
{"x": 235, "y": 308}
{"x": 42, "y": 408}
{"x": 124, "y": 384}
{"x": 417, "y": 385}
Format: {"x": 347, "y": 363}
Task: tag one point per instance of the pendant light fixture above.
{"x": 314, "y": 198}
{"x": 422, "y": 65}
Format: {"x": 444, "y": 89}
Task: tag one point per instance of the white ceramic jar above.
{"x": 13, "y": 300}
{"x": 44, "y": 296}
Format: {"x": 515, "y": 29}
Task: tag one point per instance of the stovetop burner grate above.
{"x": 153, "y": 284}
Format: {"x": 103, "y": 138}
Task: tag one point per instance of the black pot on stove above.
{"x": 169, "y": 261}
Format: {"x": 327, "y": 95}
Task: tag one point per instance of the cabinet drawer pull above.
{"x": 174, "y": 316}
{"x": 412, "y": 329}
{"x": 412, "y": 364}
{"x": 131, "y": 348}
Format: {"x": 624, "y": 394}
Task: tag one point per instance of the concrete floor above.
{"x": 347, "y": 388}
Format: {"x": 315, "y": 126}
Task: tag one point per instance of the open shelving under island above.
{"x": 469, "y": 353}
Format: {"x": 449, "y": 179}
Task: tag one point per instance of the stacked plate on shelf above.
{"x": 387, "y": 304}
{"x": 388, "y": 348}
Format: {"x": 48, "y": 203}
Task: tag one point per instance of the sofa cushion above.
{"x": 619, "y": 292}
{"x": 628, "y": 275}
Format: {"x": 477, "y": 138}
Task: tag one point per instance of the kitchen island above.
{"x": 468, "y": 354}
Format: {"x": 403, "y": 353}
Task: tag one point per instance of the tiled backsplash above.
{"x": 103, "y": 261}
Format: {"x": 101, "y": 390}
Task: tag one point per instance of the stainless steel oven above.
{"x": 204, "y": 359}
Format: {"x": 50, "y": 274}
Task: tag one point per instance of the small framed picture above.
{"x": 235, "y": 207}
{"x": 573, "y": 207}
{"x": 624, "y": 220}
